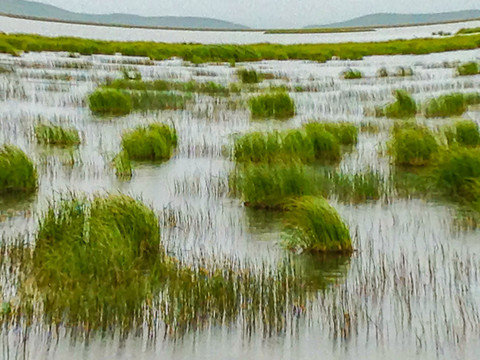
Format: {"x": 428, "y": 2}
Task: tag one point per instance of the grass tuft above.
{"x": 17, "y": 171}
{"x": 110, "y": 102}
{"x": 446, "y": 106}
{"x": 325, "y": 145}
{"x": 467, "y": 133}
{"x": 155, "y": 142}
{"x": 122, "y": 165}
{"x": 249, "y": 76}
{"x": 313, "y": 225}
{"x": 351, "y": 74}
{"x": 413, "y": 146}
{"x": 403, "y": 107}
{"x": 50, "y": 134}
{"x": 470, "y": 68}
{"x": 278, "y": 105}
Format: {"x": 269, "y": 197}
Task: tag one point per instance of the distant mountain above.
{"x": 39, "y": 10}
{"x": 385, "y": 19}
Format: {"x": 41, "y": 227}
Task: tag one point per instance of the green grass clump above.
{"x": 459, "y": 172}
{"x": 414, "y": 146}
{"x": 247, "y": 76}
{"x": 110, "y": 102}
{"x": 289, "y": 145}
{"x": 470, "y": 68}
{"x": 446, "y": 106}
{"x": 17, "y": 172}
{"x": 96, "y": 257}
{"x": 313, "y": 225}
{"x": 271, "y": 186}
{"x": 404, "y": 106}
{"x": 155, "y": 142}
{"x": 122, "y": 165}
{"x": 351, "y": 74}
{"x": 325, "y": 145}
{"x": 345, "y": 133}
{"x": 49, "y": 134}
{"x": 278, "y": 105}
{"x": 467, "y": 133}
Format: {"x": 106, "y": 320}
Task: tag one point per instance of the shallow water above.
{"x": 45, "y": 28}
{"x": 411, "y": 288}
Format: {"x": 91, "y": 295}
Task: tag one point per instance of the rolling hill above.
{"x": 387, "y": 19}
{"x": 39, "y": 10}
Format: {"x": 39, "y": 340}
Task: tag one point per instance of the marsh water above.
{"x": 47, "y": 28}
{"x": 411, "y": 288}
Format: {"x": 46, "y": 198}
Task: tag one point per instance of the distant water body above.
{"x": 46, "y": 28}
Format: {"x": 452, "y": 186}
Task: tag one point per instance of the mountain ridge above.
{"x": 397, "y": 19}
{"x": 33, "y": 9}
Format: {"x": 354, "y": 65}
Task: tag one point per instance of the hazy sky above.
{"x": 265, "y": 13}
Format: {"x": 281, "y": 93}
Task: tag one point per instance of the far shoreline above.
{"x": 318, "y": 30}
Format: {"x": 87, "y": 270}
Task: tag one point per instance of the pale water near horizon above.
{"x": 46, "y": 28}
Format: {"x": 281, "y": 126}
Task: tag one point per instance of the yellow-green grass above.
{"x": 199, "y": 53}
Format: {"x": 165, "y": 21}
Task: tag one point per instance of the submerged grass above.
{"x": 404, "y": 106}
{"x": 313, "y": 225}
{"x": 50, "y": 134}
{"x": 17, "y": 171}
{"x": 155, "y": 142}
{"x": 277, "y": 105}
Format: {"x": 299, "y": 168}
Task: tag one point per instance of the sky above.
{"x": 265, "y": 13}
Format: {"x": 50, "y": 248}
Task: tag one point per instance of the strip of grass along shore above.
{"x": 198, "y": 53}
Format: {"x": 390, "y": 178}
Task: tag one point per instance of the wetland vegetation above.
{"x": 329, "y": 229}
